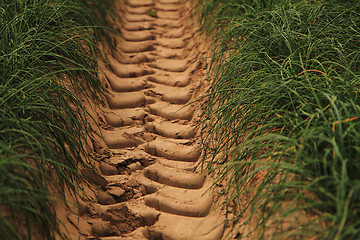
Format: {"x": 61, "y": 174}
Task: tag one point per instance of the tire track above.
{"x": 149, "y": 188}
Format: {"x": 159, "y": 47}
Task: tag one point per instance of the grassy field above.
{"x": 48, "y": 57}
{"x": 282, "y": 118}
{"x": 282, "y": 123}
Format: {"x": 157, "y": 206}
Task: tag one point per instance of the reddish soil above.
{"x": 147, "y": 185}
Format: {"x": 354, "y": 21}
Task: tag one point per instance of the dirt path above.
{"x": 149, "y": 188}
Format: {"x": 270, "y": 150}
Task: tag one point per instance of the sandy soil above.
{"x": 148, "y": 186}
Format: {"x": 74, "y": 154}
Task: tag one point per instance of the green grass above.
{"x": 282, "y": 116}
{"x": 48, "y": 58}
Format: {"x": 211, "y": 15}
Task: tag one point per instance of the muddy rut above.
{"x": 148, "y": 186}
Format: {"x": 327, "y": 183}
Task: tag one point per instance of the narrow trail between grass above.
{"x": 149, "y": 187}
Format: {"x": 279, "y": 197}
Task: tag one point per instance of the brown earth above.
{"x": 148, "y": 185}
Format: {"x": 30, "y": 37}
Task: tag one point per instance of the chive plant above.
{"x": 281, "y": 120}
{"x": 48, "y": 58}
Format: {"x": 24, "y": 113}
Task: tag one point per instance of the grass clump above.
{"x": 48, "y": 57}
{"x": 282, "y": 116}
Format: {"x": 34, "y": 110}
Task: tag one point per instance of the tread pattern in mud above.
{"x": 149, "y": 189}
